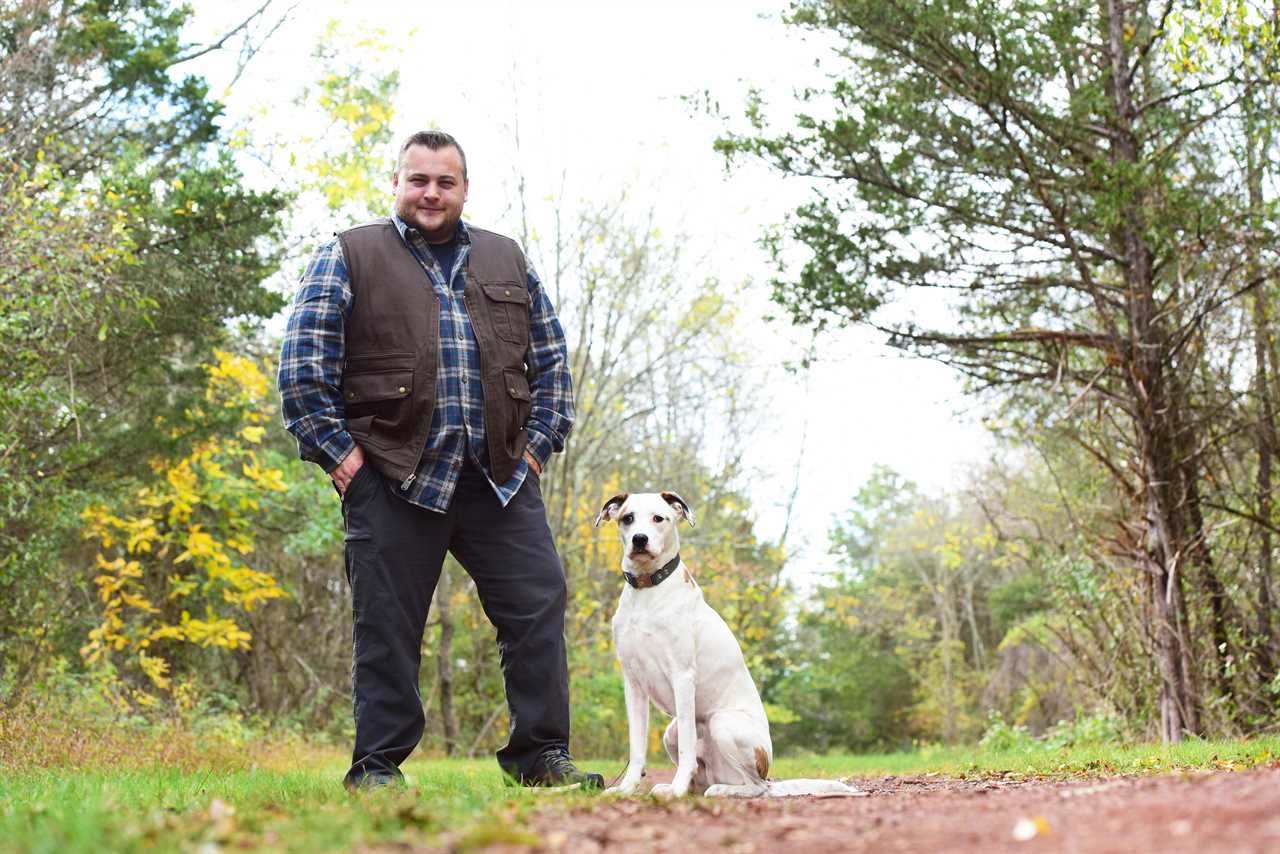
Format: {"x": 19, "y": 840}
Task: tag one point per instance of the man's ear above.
{"x": 609, "y": 511}
{"x": 681, "y": 507}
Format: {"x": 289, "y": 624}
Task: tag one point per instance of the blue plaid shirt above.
{"x": 311, "y": 375}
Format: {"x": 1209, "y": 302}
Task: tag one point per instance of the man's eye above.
{"x": 659, "y": 519}
{"x": 628, "y": 519}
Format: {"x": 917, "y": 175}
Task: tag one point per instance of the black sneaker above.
{"x": 559, "y": 770}
{"x": 372, "y": 782}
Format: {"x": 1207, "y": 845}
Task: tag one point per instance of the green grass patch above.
{"x": 306, "y": 809}
{"x": 289, "y": 798}
{"x": 1104, "y": 758}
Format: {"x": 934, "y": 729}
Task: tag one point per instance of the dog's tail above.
{"x": 818, "y": 788}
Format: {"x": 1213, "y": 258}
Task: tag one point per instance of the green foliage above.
{"x": 130, "y": 243}
{"x": 183, "y": 546}
{"x": 1090, "y": 245}
{"x": 1016, "y": 599}
{"x": 351, "y": 163}
{"x": 1085, "y": 731}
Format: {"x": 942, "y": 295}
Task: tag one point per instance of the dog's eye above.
{"x": 628, "y": 519}
{"x": 658, "y": 519}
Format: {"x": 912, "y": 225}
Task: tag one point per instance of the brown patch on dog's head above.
{"x": 609, "y": 511}
{"x": 762, "y": 763}
{"x": 678, "y": 504}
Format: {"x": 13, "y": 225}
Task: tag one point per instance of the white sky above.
{"x": 595, "y": 88}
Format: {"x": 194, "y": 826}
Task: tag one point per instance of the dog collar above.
{"x": 639, "y": 582}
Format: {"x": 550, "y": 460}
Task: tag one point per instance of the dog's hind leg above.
{"x": 738, "y": 755}
{"x": 671, "y": 741}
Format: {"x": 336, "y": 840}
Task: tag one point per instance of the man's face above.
{"x": 430, "y": 191}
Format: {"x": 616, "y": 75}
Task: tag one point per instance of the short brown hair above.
{"x": 434, "y": 140}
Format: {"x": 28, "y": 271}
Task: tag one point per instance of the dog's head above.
{"x": 647, "y": 525}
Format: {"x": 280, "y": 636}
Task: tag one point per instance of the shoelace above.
{"x": 558, "y": 761}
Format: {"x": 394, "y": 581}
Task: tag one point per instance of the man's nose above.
{"x": 639, "y": 541}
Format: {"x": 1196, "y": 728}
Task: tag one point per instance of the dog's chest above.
{"x": 654, "y": 637}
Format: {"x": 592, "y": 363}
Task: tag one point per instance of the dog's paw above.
{"x": 663, "y": 791}
{"x": 623, "y": 788}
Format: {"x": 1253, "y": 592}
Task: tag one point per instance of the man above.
{"x": 425, "y": 370}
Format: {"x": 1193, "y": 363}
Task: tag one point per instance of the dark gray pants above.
{"x": 394, "y": 553}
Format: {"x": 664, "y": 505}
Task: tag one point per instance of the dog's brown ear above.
{"x": 680, "y": 506}
{"x": 610, "y": 509}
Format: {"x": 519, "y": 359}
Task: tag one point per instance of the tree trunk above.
{"x": 444, "y": 664}
{"x": 1146, "y": 355}
{"x": 1265, "y": 434}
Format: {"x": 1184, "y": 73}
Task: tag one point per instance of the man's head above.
{"x": 431, "y": 184}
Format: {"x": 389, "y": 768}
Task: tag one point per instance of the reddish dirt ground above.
{"x": 1202, "y": 812}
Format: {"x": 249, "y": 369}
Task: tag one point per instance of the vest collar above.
{"x": 639, "y": 582}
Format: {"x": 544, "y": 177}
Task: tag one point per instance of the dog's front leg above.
{"x": 685, "y": 689}
{"x": 637, "y": 735}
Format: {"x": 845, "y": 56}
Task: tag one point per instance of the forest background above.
{"x": 1071, "y": 206}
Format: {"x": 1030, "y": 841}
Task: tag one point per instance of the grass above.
{"x": 285, "y": 795}
{"x": 1098, "y": 758}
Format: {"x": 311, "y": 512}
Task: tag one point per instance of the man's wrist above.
{"x": 539, "y": 447}
{"x": 331, "y": 454}
{"x": 533, "y": 462}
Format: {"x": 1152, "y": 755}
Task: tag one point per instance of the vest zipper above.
{"x": 413, "y": 472}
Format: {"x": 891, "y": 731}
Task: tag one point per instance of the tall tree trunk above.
{"x": 444, "y": 664}
{"x": 1147, "y": 359}
{"x": 1265, "y": 434}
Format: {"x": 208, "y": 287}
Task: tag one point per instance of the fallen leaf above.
{"x": 1027, "y": 829}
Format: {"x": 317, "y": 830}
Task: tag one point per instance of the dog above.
{"x": 677, "y": 651}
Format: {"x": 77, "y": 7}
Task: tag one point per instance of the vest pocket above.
{"x": 520, "y": 401}
{"x": 508, "y": 304}
{"x": 377, "y": 393}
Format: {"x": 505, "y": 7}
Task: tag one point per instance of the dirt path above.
{"x": 1197, "y": 812}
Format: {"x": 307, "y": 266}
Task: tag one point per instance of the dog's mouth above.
{"x": 640, "y": 554}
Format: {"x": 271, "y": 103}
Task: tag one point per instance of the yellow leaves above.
{"x": 180, "y": 543}
{"x": 236, "y": 381}
{"x": 155, "y": 669}
{"x": 214, "y": 631}
{"x": 266, "y": 478}
{"x": 201, "y": 546}
{"x": 139, "y": 602}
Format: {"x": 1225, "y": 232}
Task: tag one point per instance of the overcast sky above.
{"x": 595, "y": 89}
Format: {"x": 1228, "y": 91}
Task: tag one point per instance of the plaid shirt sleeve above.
{"x": 310, "y": 377}
{"x": 548, "y": 368}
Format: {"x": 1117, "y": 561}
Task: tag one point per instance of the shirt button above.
{"x": 506, "y": 293}
{"x": 512, "y": 390}
{"x": 403, "y": 390}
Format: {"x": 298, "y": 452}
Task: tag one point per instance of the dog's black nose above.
{"x": 639, "y": 541}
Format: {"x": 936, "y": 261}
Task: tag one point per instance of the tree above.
{"x": 183, "y": 546}
{"x": 1046, "y": 168}
{"x": 129, "y": 244}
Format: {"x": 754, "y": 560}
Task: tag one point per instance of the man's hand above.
{"x": 347, "y": 469}
{"x": 533, "y": 462}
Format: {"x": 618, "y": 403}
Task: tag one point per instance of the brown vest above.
{"x": 392, "y": 347}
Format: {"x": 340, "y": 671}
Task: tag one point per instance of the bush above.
{"x": 1000, "y": 735}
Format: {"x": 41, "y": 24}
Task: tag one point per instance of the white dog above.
{"x": 678, "y": 652}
